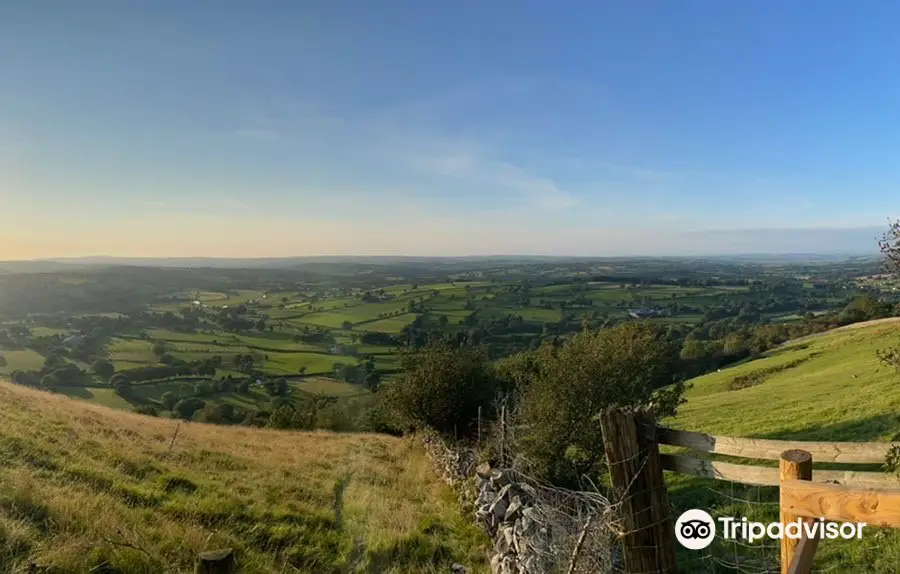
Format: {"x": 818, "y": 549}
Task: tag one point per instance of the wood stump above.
{"x": 216, "y": 562}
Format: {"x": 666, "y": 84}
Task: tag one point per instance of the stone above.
{"x": 513, "y": 510}
{"x": 525, "y": 526}
{"x": 496, "y": 561}
{"x": 500, "y": 478}
{"x": 498, "y": 507}
{"x": 500, "y": 545}
{"x": 508, "y": 565}
{"x": 458, "y": 569}
{"x": 529, "y": 491}
{"x": 505, "y": 493}
{"x": 484, "y": 470}
{"x": 509, "y": 536}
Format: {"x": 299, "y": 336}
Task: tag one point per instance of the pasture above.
{"x": 93, "y": 489}
{"x": 826, "y": 387}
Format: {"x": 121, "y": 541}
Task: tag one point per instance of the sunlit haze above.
{"x": 273, "y": 129}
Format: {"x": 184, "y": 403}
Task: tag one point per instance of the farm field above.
{"x": 827, "y": 387}
{"x": 75, "y": 492}
{"x": 345, "y": 331}
{"x": 21, "y": 359}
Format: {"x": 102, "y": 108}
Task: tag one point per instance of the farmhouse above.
{"x": 644, "y": 313}
{"x": 73, "y": 340}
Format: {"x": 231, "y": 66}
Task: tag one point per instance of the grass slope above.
{"x": 839, "y": 392}
{"x": 85, "y": 488}
{"x": 826, "y": 387}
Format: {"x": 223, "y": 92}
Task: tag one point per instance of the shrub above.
{"x": 149, "y": 410}
{"x": 103, "y": 368}
{"x": 186, "y": 408}
{"x": 443, "y": 386}
{"x": 624, "y": 366}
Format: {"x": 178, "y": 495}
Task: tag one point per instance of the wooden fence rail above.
{"x": 768, "y": 475}
{"x": 766, "y": 449}
{"x": 805, "y": 493}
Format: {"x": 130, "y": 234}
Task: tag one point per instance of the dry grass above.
{"x": 83, "y": 487}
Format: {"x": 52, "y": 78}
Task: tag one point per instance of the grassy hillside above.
{"x": 824, "y": 387}
{"x": 85, "y": 488}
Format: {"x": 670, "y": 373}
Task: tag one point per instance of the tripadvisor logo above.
{"x": 695, "y": 529}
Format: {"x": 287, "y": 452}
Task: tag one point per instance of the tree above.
{"x": 261, "y": 325}
{"x": 50, "y": 381}
{"x": 566, "y": 388}
{"x": 103, "y": 369}
{"x": 122, "y": 386}
{"x": 3, "y": 362}
{"x": 889, "y": 244}
{"x": 186, "y": 408}
{"x": 347, "y": 325}
{"x": 442, "y": 387}
{"x": 149, "y": 410}
{"x": 276, "y": 387}
{"x": 890, "y": 248}
{"x": 168, "y": 400}
{"x": 372, "y": 380}
{"x": 53, "y": 360}
{"x": 159, "y": 349}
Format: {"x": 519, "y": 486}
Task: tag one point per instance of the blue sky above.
{"x": 172, "y": 128}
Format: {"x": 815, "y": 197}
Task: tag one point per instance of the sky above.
{"x": 282, "y": 128}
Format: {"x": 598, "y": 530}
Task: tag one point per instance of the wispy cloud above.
{"x": 471, "y": 166}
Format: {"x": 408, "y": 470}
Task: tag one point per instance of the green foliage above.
{"x": 149, "y": 410}
{"x": 168, "y": 400}
{"x": 570, "y": 385}
{"x": 443, "y": 386}
{"x": 185, "y": 408}
{"x": 103, "y": 368}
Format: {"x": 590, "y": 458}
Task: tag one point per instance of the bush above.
{"x": 168, "y": 400}
{"x": 149, "y": 410}
{"x": 103, "y": 369}
{"x": 442, "y": 387}
{"x": 186, "y": 408}
{"x": 624, "y": 366}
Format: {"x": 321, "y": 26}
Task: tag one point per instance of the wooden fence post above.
{"x": 794, "y": 465}
{"x": 216, "y": 562}
{"x": 648, "y": 540}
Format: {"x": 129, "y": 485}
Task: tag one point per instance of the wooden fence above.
{"x": 632, "y": 440}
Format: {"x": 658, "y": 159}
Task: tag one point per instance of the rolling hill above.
{"x": 86, "y": 488}
{"x": 827, "y": 387}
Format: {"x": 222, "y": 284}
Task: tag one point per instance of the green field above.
{"x": 325, "y": 386}
{"x": 842, "y": 394}
{"x": 391, "y": 325}
{"x": 827, "y": 387}
{"x": 21, "y": 359}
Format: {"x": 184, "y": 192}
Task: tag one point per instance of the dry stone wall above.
{"x": 530, "y": 534}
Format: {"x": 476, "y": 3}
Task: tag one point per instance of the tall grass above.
{"x": 85, "y": 488}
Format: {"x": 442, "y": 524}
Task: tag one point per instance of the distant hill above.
{"x": 63, "y": 264}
